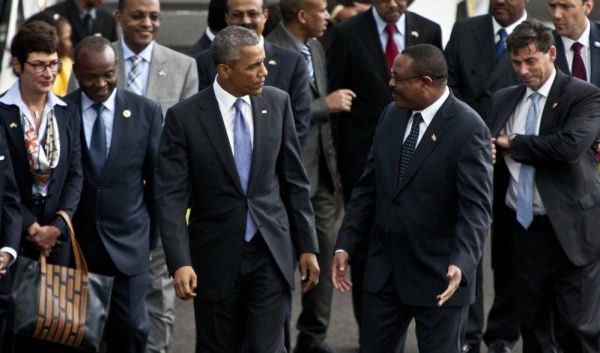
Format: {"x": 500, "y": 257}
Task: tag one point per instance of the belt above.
{"x": 38, "y": 199}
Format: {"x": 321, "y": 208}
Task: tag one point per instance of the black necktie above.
{"x": 409, "y": 145}
{"x": 98, "y": 142}
{"x": 88, "y": 24}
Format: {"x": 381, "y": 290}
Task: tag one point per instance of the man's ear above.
{"x": 16, "y": 65}
{"x": 223, "y": 71}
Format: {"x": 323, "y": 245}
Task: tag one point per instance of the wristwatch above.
{"x": 511, "y": 138}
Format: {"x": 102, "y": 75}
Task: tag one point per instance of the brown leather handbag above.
{"x": 60, "y": 304}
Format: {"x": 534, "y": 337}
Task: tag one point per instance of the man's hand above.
{"x": 502, "y": 141}
{"x": 309, "y": 271}
{"x": 43, "y": 238}
{"x": 454, "y": 277}
{"x": 349, "y": 11}
{"x": 185, "y": 282}
{"x": 339, "y": 272}
{"x": 5, "y": 259}
{"x": 340, "y": 100}
{"x": 493, "y": 150}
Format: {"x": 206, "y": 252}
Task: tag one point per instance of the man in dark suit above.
{"x": 424, "y": 206}
{"x": 478, "y": 65}
{"x": 215, "y": 22}
{"x": 287, "y": 70}
{"x": 232, "y": 149}
{"x": 87, "y": 17}
{"x": 119, "y": 140}
{"x": 357, "y": 61}
{"x": 547, "y": 189}
{"x": 302, "y": 21}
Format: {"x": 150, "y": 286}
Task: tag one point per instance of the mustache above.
{"x": 250, "y": 25}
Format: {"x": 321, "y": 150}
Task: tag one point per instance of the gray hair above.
{"x": 226, "y": 47}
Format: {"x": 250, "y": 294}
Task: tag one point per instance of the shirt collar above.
{"x": 429, "y": 112}
{"x": 510, "y": 28}
{"x": 545, "y": 89}
{"x": 225, "y": 98}
{"x": 209, "y": 34}
{"x": 82, "y": 12}
{"x": 145, "y": 54}
{"x": 584, "y": 39}
{"x": 13, "y": 97}
{"x": 87, "y": 102}
{"x": 380, "y": 22}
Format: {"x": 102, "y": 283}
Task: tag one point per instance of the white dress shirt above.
{"x": 226, "y": 106}
{"x": 427, "y": 114}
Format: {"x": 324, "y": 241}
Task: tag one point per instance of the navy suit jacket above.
{"x": 438, "y": 214}
{"x": 120, "y": 206}
{"x": 561, "y": 59}
{"x": 105, "y": 23}
{"x": 564, "y": 160}
{"x": 286, "y": 71}
{"x": 10, "y": 213}
{"x": 67, "y": 177}
{"x": 195, "y": 158}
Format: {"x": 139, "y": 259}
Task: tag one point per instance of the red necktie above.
{"x": 391, "y": 49}
{"x": 578, "y": 68}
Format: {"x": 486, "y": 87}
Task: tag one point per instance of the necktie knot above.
{"x": 238, "y": 104}
{"x": 535, "y": 98}
{"x": 417, "y": 118}
{"x": 501, "y": 43}
{"x": 502, "y": 34}
{"x": 390, "y": 29}
{"x": 98, "y": 107}
{"x": 135, "y": 59}
{"x": 577, "y": 47}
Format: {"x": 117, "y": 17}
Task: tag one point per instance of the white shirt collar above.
{"x": 87, "y": 102}
{"x": 145, "y": 54}
{"x": 13, "y": 97}
{"x": 380, "y": 22}
{"x": 226, "y": 99}
{"x": 429, "y": 112}
{"x": 545, "y": 89}
{"x": 584, "y": 39}
{"x": 209, "y": 34}
{"x": 509, "y": 29}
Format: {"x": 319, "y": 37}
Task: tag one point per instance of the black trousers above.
{"x": 251, "y": 319}
{"x": 558, "y": 302}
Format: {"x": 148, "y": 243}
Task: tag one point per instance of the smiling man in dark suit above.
{"x": 547, "y": 186}
{"x": 232, "y": 149}
{"x": 478, "y": 66}
{"x": 120, "y": 133}
{"x": 287, "y": 70}
{"x": 423, "y": 204}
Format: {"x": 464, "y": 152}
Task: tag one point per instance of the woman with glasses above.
{"x": 43, "y": 140}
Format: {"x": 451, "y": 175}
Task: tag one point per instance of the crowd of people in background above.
{"x": 215, "y": 174}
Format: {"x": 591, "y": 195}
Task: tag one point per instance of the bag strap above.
{"x": 80, "y": 263}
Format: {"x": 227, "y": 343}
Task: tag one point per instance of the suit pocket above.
{"x": 589, "y": 200}
{"x": 440, "y": 246}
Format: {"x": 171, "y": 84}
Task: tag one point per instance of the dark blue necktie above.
{"x": 242, "y": 147}
{"x": 501, "y": 43}
{"x": 409, "y": 145}
{"x": 98, "y": 142}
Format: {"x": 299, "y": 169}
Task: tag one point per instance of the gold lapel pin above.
{"x": 13, "y": 125}
{"x": 554, "y": 105}
{"x": 127, "y": 113}
{"x": 272, "y": 62}
{"x": 162, "y": 73}
{"x": 597, "y": 44}
{"x": 264, "y": 111}
{"x": 414, "y": 34}
{"x": 433, "y": 138}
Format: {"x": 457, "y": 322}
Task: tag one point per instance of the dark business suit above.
{"x": 558, "y": 254}
{"x": 474, "y": 75}
{"x": 436, "y": 215}
{"x": 201, "y": 45}
{"x": 356, "y": 61}
{"x": 195, "y": 159}
{"x": 561, "y": 59}
{"x": 320, "y": 163}
{"x": 286, "y": 71}
{"x": 116, "y": 213}
{"x": 104, "y": 24}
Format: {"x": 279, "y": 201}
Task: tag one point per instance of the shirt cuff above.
{"x": 11, "y": 251}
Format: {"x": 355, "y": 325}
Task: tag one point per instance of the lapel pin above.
{"x": 433, "y": 138}
{"x": 162, "y": 73}
{"x": 264, "y": 111}
{"x": 13, "y": 125}
{"x": 554, "y": 105}
{"x": 597, "y": 44}
{"x": 272, "y": 62}
{"x": 127, "y": 113}
{"x": 414, "y": 34}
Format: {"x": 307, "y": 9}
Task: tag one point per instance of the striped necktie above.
{"x": 308, "y": 59}
{"x": 134, "y": 79}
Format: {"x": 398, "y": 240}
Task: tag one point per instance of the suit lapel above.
{"x": 373, "y": 42}
{"x": 431, "y": 138}
{"x": 211, "y": 119}
{"x": 121, "y": 80}
{"x": 271, "y": 63}
{"x": 119, "y": 135}
{"x": 262, "y": 124}
{"x": 487, "y": 49}
{"x": 12, "y": 119}
{"x": 75, "y": 19}
{"x": 561, "y": 58}
{"x": 317, "y": 84}
{"x": 156, "y": 72}
{"x": 594, "y": 54}
{"x": 552, "y": 102}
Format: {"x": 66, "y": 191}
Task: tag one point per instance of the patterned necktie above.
{"x": 98, "y": 142}
{"x": 409, "y": 145}
{"x": 391, "y": 49}
{"x": 501, "y": 43}
{"x": 134, "y": 79}
{"x": 308, "y": 59}
{"x": 578, "y": 67}
{"x": 242, "y": 147}
{"x": 525, "y": 185}
{"x": 88, "y": 24}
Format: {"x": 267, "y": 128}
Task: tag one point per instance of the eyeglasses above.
{"x": 399, "y": 80}
{"x": 39, "y": 66}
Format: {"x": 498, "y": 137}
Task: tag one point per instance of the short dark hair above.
{"x": 289, "y": 9}
{"x": 216, "y": 15}
{"x": 264, "y": 5}
{"x": 428, "y": 60}
{"x": 226, "y": 47}
{"x": 121, "y": 5}
{"x": 93, "y": 43}
{"x": 58, "y": 22}
{"x": 34, "y": 36}
{"x": 528, "y": 32}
